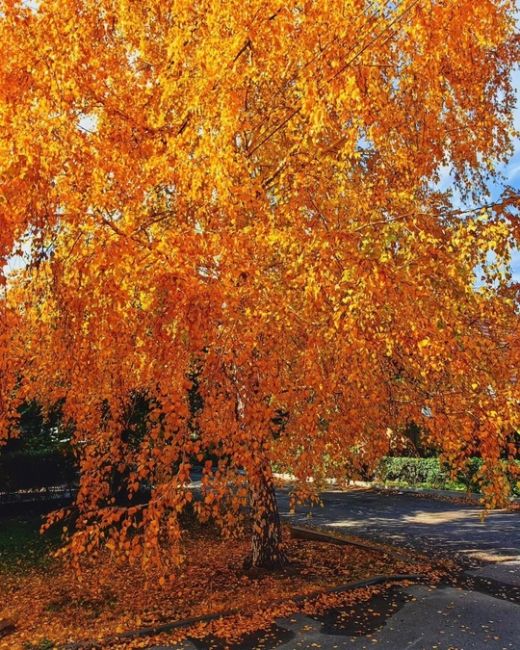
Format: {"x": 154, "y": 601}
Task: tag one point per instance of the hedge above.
{"x": 24, "y": 470}
{"x": 430, "y": 471}
{"x": 412, "y": 471}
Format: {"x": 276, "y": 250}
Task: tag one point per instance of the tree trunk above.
{"x": 267, "y": 551}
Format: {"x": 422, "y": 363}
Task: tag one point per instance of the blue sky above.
{"x": 511, "y": 173}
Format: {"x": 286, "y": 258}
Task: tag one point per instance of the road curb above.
{"x": 319, "y": 535}
{"x": 310, "y": 533}
{"x": 207, "y": 618}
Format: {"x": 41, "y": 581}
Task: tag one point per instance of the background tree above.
{"x": 246, "y": 187}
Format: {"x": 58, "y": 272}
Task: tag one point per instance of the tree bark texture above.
{"x": 267, "y": 549}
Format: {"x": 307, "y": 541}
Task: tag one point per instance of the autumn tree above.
{"x": 244, "y": 192}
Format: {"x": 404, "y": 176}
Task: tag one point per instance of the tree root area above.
{"x": 52, "y": 604}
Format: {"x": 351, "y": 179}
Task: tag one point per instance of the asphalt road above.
{"x": 426, "y": 524}
{"x": 415, "y": 618}
{"x": 419, "y": 617}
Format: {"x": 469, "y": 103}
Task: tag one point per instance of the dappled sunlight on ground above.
{"x": 422, "y": 523}
{"x": 435, "y": 518}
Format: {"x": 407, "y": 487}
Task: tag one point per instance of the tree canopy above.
{"x": 243, "y": 194}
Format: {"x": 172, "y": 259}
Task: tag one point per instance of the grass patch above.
{"x": 44, "y": 644}
{"x": 22, "y": 547}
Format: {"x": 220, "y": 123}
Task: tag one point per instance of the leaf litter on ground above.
{"x": 51, "y": 602}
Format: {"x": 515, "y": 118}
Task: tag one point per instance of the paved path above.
{"x": 417, "y": 617}
{"x": 417, "y": 522}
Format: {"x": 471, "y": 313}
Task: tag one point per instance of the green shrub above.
{"x": 412, "y": 471}
{"x": 430, "y": 472}
{"x": 468, "y": 477}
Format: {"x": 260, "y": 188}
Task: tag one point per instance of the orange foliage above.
{"x": 242, "y": 192}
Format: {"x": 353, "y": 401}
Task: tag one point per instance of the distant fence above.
{"x": 37, "y": 476}
{"x": 55, "y": 493}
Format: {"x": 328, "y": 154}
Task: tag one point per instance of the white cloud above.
{"x": 512, "y": 172}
